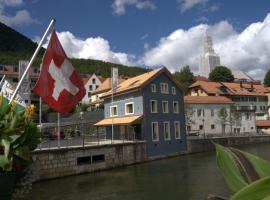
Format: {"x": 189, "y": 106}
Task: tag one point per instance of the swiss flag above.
{"x": 59, "y": 85}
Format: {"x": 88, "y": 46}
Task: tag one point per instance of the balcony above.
{"x": 250, "y": 108}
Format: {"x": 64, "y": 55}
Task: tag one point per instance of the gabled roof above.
{"x": 106, "y": 85}
{"x": 140, "y": 81}
{"x": 224, "y": 88}
{"x": 207, "y": 100}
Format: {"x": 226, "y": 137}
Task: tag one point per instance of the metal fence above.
{"x": 78, "y": 134}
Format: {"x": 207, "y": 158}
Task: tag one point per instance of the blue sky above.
{"x": 151, "y": 32}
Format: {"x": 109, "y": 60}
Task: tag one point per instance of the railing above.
{"x": 79, "y": 135}
{"x": 245, "y": 108}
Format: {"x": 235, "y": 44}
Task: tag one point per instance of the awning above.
{"x": 119, "y": 120}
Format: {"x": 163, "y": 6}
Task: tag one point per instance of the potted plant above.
{"x": 18, "y": 136}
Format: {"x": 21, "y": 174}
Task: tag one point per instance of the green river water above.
{"x": 189, "y": 177}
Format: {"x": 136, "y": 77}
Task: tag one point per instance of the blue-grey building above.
{"x": 148, "y": 107}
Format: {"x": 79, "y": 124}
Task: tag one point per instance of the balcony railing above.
{"x": 245, "y": 108}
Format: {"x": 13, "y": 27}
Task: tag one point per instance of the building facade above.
{"x": 151, "y": 107}
{"x": 216, "y": 116}
{"x": 247, "y": 97}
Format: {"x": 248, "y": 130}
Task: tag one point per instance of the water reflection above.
{"x": 189, "y": 177}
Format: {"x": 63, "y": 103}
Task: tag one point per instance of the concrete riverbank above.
{"x": 55, "y": 163}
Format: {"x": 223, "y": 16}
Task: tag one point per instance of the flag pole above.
{"x": 32, "y": 59}
{"x": 58, "y": 129}
{"x": 112, "y": 75}
{"x": 2, "y": 80}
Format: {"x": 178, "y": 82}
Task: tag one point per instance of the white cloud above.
{"x": 188, "y": 4}
{"x": 248, "y": 50}
{"x": 22, "y": 17}
{"x": 119, "y": 6}
{"x": 93, "y": 47}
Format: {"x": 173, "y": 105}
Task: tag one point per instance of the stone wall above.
{"x": 70, "y": 161}
{"x": 202, "y": 145}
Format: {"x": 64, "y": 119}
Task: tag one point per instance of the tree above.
{"x": 267, "y": 79}
{"x": 185, "y": 77}
{"x": 223, "y": 118}
{"x": 221, "y": 74}
{"x": 189, "y": 112}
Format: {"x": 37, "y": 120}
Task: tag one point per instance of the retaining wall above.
{"x": 202, "y": 145}
{"x": 56, "y": 163}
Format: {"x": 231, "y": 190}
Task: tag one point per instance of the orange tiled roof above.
{"x": 105, "y": 85}
{"x": 263, "y": 123}
{"x": 207, "y": 100}
{"x": 139, "y": 81}
{"x": 224, "y": 88}
{"x": 119, "y": 120}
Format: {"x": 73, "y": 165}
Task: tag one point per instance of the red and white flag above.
{"x": 59, "y": 85}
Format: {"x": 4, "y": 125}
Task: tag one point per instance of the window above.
{"x": 89, "y": 94}
{"x": 15, "y": 80}
{"x": 173, "y": 90}
{"x": 155, "y": 135}
{"x": 165, "y": 107}
{"x": 153, "y": 88}
{"x": 153, "y": 106}
{"x": 94, "y": 81}
{"x": 90, "y": 87}
{"x": 113, "y": 111}
{"x": 212, "y": 126}
{"x": 201, "y": 127}
{"x": 177, "y": 130}
{"x": 97, "y": 86}
{"x": 175, "y": 107}
{"x": 129, "y": 108}
{"x": 15, "y": 69}
{"x": 164, "y": 88}
{"x": 200, "y": 112}
{"x": 167, "y": 134}
{"x": 247, "y": 116}
{"x": 212, "y": 113}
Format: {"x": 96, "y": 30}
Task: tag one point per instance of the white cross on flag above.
{"x": 59, "y": 85}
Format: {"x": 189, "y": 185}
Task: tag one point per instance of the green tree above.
{"x": 221, "y": 74}
{"x": 189, "y": 112}
{"x": 223, "y": 118}
{"x": 267, "y": 79}
{"x": 185, "y": 77}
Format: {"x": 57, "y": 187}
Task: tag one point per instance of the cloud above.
{"x": 93, "y": 48}
{"x": 188, "y": 4}
{"x": 22, "y": 17}
{"x": 119, "y": 6}
{"x": 248, "y": 50}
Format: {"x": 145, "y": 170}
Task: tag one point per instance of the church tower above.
{"x": 209, "y": 59}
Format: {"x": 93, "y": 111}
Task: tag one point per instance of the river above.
{"x": 188, "y": 177}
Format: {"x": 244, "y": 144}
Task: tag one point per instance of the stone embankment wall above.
{"x": 64, "y": 162}
{"x": 56, "y": 163}
{"x": 202, "y": 145}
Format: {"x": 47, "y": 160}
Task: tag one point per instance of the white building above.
{"x": 209, "y": 59}
{"x": 216, "y": 115}
{"x": 91, "y": 83}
